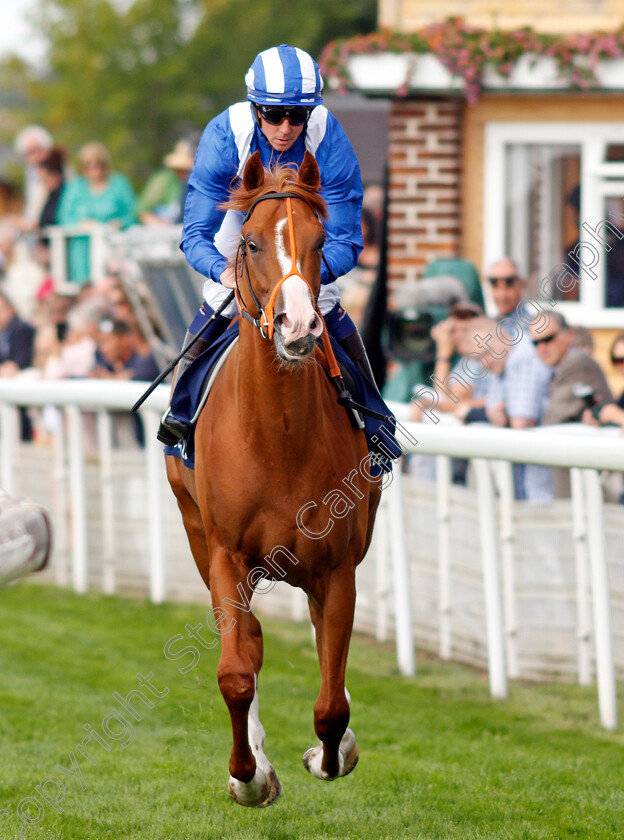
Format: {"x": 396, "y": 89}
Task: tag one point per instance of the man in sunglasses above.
{"x": 577, "y": 378}
{"x": 506, "y": 286}
{"x": 577, "y": 382}
{"x": 282, "y": 118}
{"x": 516, "y": 396}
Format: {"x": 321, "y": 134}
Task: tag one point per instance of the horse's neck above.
{"x": 273, "y": 400}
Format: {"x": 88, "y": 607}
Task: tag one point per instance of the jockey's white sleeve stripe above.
{"x": 242, "y": 122}
{"x": 315, "y": 131}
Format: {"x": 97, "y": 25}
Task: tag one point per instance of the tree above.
{"x": 138, "y": 76}
{"x": 115, "y": 75}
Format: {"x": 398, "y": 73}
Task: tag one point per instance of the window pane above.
{"x": 614, "y": 153}
{"x": 613, "y": 250}
{"x": 541, "y": 206}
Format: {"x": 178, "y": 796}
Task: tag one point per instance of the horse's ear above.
{"x": 253, "y": 176}
{"x": 309, "y": 173}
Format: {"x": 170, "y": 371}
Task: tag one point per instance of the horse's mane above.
{"x": 278, "y": 179}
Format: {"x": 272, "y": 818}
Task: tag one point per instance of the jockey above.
{"x": 282, "y": 118}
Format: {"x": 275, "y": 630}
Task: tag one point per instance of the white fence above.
{"x": 106, "y": 243}
{"x": 524, "y": 590}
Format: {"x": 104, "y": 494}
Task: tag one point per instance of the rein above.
{"x": 266, "y": 319}
{"x": 265, "y": 322}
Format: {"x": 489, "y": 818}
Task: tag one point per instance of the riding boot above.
{"x": 172, "y": 430}
{"x": 353, "y": 346}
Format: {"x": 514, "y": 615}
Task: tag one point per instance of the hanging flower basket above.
{"x": 453, "y": 55}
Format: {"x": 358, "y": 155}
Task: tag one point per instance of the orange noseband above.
{"x": 266, "y": 319}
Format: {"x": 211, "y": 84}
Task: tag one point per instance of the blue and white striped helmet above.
{"x": 284, "y": 76}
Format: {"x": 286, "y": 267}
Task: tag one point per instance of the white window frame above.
{"x": 589, "y": 311}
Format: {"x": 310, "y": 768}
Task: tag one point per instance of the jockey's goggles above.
{"x": 275, "y": 114}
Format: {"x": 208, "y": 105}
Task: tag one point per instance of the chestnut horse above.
{"x": 272, "y": 450}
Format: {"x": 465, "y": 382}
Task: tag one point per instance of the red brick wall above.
{"x": 424, "y": 182}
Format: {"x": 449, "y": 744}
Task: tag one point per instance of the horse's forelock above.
{"x": 279, "y": 179}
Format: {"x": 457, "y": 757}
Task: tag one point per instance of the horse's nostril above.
{"x": 300, "y": 348}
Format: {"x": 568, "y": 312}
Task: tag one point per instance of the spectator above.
{"x": 507, "y": 287}
{"x": 46, "y": 351}
{"x": 417, "y": 307}
{"x": 123, "y": 311}
{"x": 459, "y": 396}
{"x": 96, "y": 197}
{"x": 53, "y": 309}
{"x": 356, "y": 285}
{"x": 117, "y": 345}
{"x": 77, "y": 353}
{"x": 373, "y": 199}
{"x": 574, "y": 369}
{"x": 95, "y": 309}
{"x": 454, "y": 339}
{"x": 120, "y": 304}
{"x": 16, "y": 339}
{"x": 32, "y": 144}
{"x": 611, "y": 413}
{"x": 52, "y": 175}
{"x": 16, "y": 350}
{"x": 517, "y": 396}
{"x": 161, "y": 201}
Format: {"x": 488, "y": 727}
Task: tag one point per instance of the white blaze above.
{"x": 299, "y": 312}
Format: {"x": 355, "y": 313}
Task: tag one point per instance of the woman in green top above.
{"x": 97, "y": 196}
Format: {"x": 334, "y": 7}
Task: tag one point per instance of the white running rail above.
{"x": 492, "y": 451}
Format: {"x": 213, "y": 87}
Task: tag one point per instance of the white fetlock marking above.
{"x": 347, "y": 742}
{"x": 256, "y": 734}
{"x": 249, "y": 791}
{"x": 315, "y": 762}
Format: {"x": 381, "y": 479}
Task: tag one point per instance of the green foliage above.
{"x": 439, "y": 759}
{"x": 138, "y": 75}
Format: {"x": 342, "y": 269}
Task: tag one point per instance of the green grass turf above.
{"x": 438, "y": 757}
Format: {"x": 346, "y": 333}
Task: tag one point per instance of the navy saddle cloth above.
{"x": 190, "y": 386}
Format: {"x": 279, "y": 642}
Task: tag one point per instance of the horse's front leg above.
{"x": 332, "y": 615}
{"x": 252, "y": 782}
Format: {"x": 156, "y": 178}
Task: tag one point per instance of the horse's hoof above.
{"x": 263, "y": 790}
{"x": 348, "y": 755}
{"x": 349, "y": 748}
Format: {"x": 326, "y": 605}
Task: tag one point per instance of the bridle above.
{"x": 265, "y": 321}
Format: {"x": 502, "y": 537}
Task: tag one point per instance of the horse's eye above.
{"x": 321, "y": 244}
{"x": 252, "y": 246}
